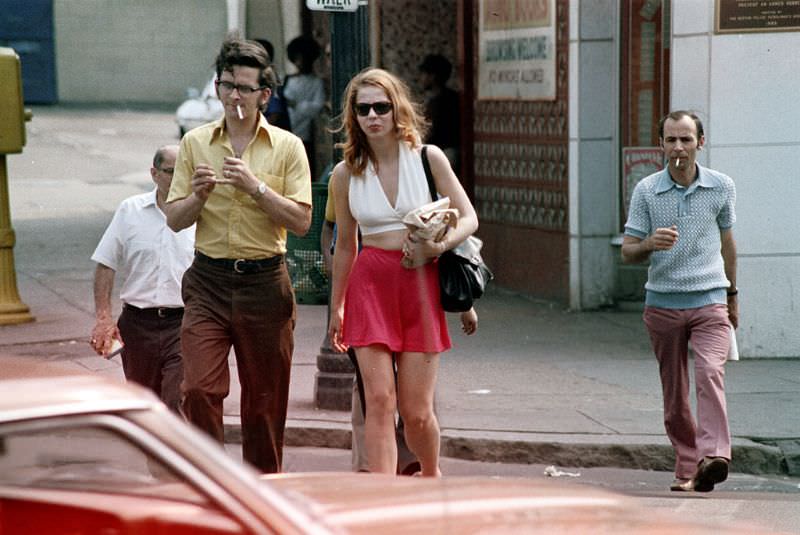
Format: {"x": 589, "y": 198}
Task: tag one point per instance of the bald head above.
{"x": 164, "y": 152}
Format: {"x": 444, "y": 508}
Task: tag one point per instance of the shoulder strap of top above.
{"x": 428, "y": 175}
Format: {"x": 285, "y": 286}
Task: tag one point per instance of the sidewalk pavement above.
{"x": 535, "y": 384}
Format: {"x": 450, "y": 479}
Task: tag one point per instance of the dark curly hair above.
{"x": 236, "y": 51}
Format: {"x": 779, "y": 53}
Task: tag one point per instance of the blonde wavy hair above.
{"x": 410, "y": 123}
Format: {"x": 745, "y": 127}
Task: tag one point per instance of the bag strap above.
{"x": 428, "y": 175}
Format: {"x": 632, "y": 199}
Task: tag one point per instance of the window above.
{"x": 86, "y": 457}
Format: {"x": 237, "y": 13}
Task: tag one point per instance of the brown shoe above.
{"x": 681, "y": 484}
{"x": 710, "y": 471}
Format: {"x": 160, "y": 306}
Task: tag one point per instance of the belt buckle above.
{"x": 162, "y": 312}
{"x": 236, "y": 264}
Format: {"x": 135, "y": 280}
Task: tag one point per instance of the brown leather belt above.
{"x": 240, "y": 265}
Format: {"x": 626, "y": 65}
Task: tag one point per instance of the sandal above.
{"x": 682, "y": 484}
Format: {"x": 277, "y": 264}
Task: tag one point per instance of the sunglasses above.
{"x": 381, "y": 108}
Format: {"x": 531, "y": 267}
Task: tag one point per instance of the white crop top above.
{"x": 368, "y": 202}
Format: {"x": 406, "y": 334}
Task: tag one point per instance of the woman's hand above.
{"x": 469, "y": 321}
{"x": 335, "y": 331}
{"x": 418, "y": 252}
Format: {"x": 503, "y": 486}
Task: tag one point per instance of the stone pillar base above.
{"x": 333, "y": 384}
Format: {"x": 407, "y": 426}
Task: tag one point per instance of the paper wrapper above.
{"x": 432, "y": 220}
{"x": 429, "y": 222}
{"x": 733, "y": 352}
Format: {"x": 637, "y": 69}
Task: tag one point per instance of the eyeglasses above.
{"x": 381, "y": 108}
{"x": 167, "y": 171}
{"x": 244, "y": 90}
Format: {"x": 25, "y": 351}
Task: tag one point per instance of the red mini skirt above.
{"x": 390, "y": 305}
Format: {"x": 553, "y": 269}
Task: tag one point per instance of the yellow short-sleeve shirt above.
{"x": 330, "y": 204}
{"x": 231, "y": 225}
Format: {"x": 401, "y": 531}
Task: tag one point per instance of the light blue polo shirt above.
{"x": 692, "y": 273}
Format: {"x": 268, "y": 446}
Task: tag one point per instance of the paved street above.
{"x": 765, "y": 501}
{"x": 536, "y": 385}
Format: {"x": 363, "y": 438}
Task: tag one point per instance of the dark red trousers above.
{"x": 253, "y": 312}
{"x": 708, "y": 330}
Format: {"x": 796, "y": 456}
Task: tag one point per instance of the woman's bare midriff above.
{"x": 391, "y": 240}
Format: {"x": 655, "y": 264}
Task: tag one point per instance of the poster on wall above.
{"x": 637, "y": 163}
{"x": 517, "y": 50}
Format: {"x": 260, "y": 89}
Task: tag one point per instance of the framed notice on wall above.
{"x": 738, "y": 16}
{"x": 637, "y": 163}
{"x": 517, "y": 50}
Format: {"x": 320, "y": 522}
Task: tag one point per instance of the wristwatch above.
{"x": 260, "y": 191}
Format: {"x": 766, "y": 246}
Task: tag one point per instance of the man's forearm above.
{"x": 183, "y": 213}
{"x": 635, "y": 250}
{"x": 103, "y": 285}
{"x": 729, "y": 258}
{"x": 293, "y": 216}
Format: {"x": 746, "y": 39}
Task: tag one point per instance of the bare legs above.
{"x": 416, "y": 382}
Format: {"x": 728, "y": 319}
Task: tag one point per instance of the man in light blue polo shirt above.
{"x": 680, "y": 219}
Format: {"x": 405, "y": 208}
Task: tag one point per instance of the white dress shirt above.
{"x": 149, "y": 258}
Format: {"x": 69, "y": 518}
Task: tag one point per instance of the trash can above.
{"x": 303, "y": 257}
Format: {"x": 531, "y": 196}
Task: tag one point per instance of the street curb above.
{"x": 748, "y": 457}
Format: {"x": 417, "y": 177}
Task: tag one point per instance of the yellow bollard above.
{"x": 12, "y": 139}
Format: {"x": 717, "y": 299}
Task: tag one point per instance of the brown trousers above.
{"x": 254, "y": 312}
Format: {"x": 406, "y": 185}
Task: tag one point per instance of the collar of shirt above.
{"x": 704, "y": 180}
{"x": 150, "y": 198}
{"x": 220, "y": 133}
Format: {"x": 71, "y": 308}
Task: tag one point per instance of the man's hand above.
{"x": 203, "y": 181}
{"x": 733, "y": 310}
{"x": 664, "y": 238}
{"x": 636, "y": 250}
{"x": 236, "y": 173}
{"x": 103, "y": 335}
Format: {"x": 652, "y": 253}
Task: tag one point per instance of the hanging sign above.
{"x": 335, "y": 5}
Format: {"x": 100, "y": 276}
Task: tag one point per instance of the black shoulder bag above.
{"x": 462, "y": 274}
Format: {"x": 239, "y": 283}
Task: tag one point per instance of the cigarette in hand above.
{"x": 239, "y": 112}
{"x": 116, "y": 349}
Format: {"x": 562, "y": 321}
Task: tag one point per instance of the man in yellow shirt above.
{"x": 245, "y": 183}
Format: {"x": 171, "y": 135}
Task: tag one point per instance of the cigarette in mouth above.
{"x": 239, "y": 112}
{"x": 677, "y": 162}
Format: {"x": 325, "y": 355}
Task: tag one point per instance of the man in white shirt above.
{"x": 151, "y": 259}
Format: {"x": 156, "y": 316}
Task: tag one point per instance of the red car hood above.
{"x": 387, "y": 505}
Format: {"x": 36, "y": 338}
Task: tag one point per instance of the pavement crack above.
{"x": 598, "y": 422}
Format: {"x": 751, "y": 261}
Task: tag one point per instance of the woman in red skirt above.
{"x": 378, "y": 306}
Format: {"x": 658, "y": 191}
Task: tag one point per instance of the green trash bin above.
{"x": 303, "y": 257}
